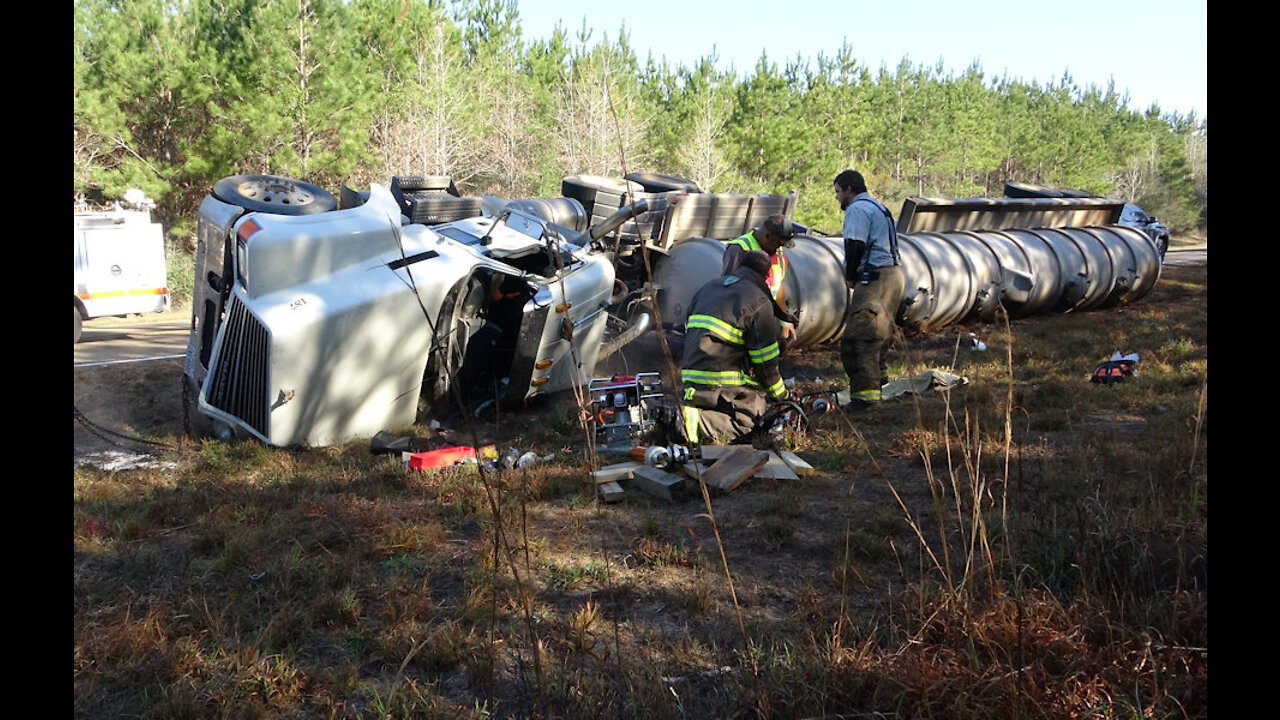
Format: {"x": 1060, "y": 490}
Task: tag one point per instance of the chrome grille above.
{"x": 239, "y": 376}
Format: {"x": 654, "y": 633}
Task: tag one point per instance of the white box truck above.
{"x": 119, "y": 265}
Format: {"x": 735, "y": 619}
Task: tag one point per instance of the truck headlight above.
{"x": 242, "y": 262}
{"x": 247, "y": 229}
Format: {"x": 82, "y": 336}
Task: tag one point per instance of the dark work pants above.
{"x": 868, "y": 327}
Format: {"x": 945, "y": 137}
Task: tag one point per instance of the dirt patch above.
{"x": 126, "y": 410}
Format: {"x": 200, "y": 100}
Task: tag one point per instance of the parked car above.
{"x": 1135, "y": 217}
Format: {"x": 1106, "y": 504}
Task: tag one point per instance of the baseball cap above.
{"x": 780, "y": 227}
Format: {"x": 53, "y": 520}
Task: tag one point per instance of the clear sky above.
{"x": 1155, "y": 51}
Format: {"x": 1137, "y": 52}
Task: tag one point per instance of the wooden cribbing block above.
{"x": 610, "y": 491}
{"x": 616, "y": 472}
{"x": 735, "y": 466}
{"x": 658, "y": 483}
{"x": 776, "y": 469}
{"x": 797, "y": 464}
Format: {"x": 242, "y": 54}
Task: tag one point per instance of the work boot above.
{"x": 862, "y": 400}
{"x": 859, "y": 406}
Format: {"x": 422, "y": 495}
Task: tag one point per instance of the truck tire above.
{"x": 579, "y": 188}
{"x": 79, "y": 323}
{"x": 274, "y": 194}
{"x": 423, "y": 183}
{"x": 594, "y": 191}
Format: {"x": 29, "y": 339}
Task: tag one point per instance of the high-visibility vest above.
{"x": 777, "y": 268}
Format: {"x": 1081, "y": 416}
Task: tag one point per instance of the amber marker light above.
{"x": 248, "y": 228}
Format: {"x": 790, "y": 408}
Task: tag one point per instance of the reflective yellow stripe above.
{"x": 713, "y": 377}
{"x": 868, "y": 395}
{"x": 764, "y": 354}
{"x": 777, "y": 389}
{"x": 691, "y": 417}
{"x": 122, "y": 293}
{"x": 715, "y": 326}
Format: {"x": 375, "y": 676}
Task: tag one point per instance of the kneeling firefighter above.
{"x": 730, "y": 369}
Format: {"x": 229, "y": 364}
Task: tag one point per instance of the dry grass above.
{"x": 1028, "y": 545}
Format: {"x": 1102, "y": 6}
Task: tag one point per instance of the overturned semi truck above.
{"x": 317, "y": 321}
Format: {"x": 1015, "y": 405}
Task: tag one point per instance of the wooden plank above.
{"x": 735, "y": 466}
{"x": 658, "y": 483}
{"x": 797, "y": 464}
{"x": 616, "y": 472}
{"x": 711, "y": 453}
{"x": 694, "y": 469}
{"x": 775, "y": 469}
{"x": 610, "y": 491}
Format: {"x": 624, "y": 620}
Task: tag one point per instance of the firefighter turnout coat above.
{"x": 731, "y": 353}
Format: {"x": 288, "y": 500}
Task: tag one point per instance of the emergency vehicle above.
{"x": 119, "y": 265}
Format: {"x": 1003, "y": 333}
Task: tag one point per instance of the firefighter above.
{"x": 730, "y": 369}
{"x": 773, "y": 235}
{"x": 873, "y": 271}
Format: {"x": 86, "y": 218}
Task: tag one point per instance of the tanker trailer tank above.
{"x": 814, "y": 282}
{"x": 950, "y": 276}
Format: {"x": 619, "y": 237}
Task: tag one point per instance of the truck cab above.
{"x": 315, "y": 325}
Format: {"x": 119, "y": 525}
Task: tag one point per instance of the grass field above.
{"x": 1027, "y": 545}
